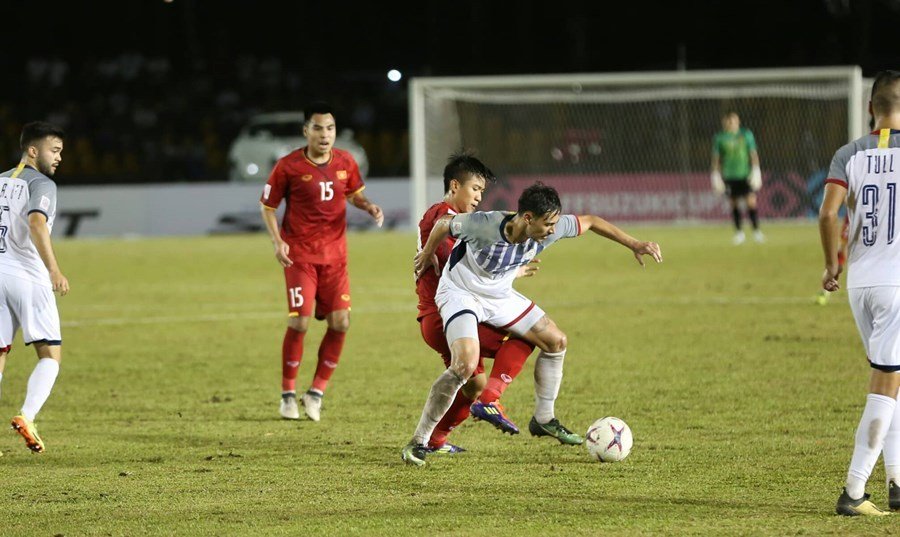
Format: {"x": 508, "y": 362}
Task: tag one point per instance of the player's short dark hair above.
{"x": 462, "y": 163}
{"x": 886, "y": 92}
{"x": 316, "y": 107}
{"x": 540, "y": 199}
{"x": 37, "y": 131}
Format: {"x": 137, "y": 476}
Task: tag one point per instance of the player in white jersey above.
{"x": 866, "y": 173}
{"x": 29, "y": 273}
{"x": 476, "y": 287}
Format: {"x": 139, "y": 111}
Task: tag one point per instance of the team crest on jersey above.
{"x": 306, "y": 177}
{"x": 345, "y": 298}
{"x": 342, "y": 175}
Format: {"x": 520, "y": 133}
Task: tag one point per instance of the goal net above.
{"x": 636, "y": 146}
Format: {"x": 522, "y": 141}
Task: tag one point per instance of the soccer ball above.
{"x": 609, "y": 439}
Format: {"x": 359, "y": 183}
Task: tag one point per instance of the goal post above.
{"x": 635, "y": 146}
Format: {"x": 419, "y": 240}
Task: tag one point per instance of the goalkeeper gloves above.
{"x": 718, "y": 185}
{"x": 755, "y": 179}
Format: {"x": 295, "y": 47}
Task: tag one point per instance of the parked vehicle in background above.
{"x": 268, "y": 137}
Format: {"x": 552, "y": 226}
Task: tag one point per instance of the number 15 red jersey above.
{"x": 315, "y": 196}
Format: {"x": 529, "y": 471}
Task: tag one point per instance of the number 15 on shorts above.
{"x": 296, "y": 297}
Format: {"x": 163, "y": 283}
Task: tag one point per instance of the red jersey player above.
{"x": 315, "y": 182}
{"x": 465, "y": 179}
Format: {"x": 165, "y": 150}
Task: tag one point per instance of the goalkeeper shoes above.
{"x": 28, "y": 431}
{"x": 862, "y": 507}
{"x": 494, "y": 414}
{"x": 555, "y": 429}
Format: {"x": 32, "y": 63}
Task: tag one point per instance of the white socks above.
{"x": 39, "y": 385}
{"x": 891, "y": 452}
{"x": 870, "y": 436}
{"x": 548, "y": 372}
{"x": 439, "y": 400}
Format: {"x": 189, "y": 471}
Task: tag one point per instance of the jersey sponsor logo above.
{"x": 266, "y": 191}
{"x": 44, "y": 203}
{"x": 345, "y": 298}
{"x": 342, "y": 175}
{"x": 306, "y": 177}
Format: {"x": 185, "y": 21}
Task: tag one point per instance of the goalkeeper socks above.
{"x": 548, "y": 372}
{"x": 508, "y": 363}
{"x": 39, "y": 385}
{"x": 443, "y": 391}
{"x": 329, "y": 355}
{"x": 291, "y": 355}
{"x": 456, "y": 414}
{"x": 754, "y": 218}
{"x": 870, "y": 435}
{"x": 736, "y": 216}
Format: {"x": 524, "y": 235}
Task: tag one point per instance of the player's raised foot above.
{"x": 446, "y": 449}
{"x": 312, "y": 405}
{"x": 414, "y": 454}
{"x": 494, "y": 414}
{"x": 862, "y": 507}
{"x": 555, "y": 429}
{"x": 759, "y": 237}
{"x": 289, "y": 409}
{"x": 28, "y": 431}
{"x": 893, "y": 496}
{"x": 738, "y": 238}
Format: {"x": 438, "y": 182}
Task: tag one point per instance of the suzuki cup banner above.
{"x": 658, "y": 197}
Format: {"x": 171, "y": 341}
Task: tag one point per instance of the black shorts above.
{"x": 737, "y": 188}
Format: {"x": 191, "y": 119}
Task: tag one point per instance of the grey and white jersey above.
{"x": 483, "y": 261}
{"x": 869, "y": 168}
{"x": 24, "y": 190}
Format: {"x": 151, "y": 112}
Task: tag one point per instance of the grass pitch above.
{"x": 743, "y": 396}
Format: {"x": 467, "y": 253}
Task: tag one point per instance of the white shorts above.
{"x": 30, "y": 306}
{"x": 877, "y": 314}
{"x": 461, "y": 312}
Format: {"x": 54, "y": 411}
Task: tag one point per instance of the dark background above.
{"x": 156, "y": 91}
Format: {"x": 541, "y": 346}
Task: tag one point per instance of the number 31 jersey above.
{"x": 315, "y": 196}
{"x": 869, "y": 168}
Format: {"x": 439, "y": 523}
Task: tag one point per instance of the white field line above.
{"x": 396, "y": 307}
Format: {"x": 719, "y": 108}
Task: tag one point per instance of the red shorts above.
{"x": 491, "y": 338}
{"x": 328, "y": 286}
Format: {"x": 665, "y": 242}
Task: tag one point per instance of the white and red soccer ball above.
{"x": 609, "y": 439}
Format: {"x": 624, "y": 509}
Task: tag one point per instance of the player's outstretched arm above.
{"x": 831, "y": 234}
{"x": 282, "y": 250}
{"x": 40, "y": 236}
{"x": 611, "y": 232}
{"x": 427, "y": 256}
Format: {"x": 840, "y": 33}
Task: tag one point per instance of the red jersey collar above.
{"x": 330, "y": 157}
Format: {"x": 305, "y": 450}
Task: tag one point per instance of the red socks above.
{"x": 291, "y": 354}
{"x": 456, "y": 414}
{"x": 508, "y": 363}
{"x": 329, "y": 355}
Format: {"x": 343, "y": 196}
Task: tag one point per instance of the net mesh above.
{"x": 639, "y": 152}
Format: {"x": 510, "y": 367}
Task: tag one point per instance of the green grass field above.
{"x": 742, "y": 394}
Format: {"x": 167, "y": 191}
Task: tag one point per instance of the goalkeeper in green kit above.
{"x": 735, "y": 171}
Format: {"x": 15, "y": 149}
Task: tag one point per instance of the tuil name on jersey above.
{"x": 880, "y": 163}
{"x": 11, "y": 192}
